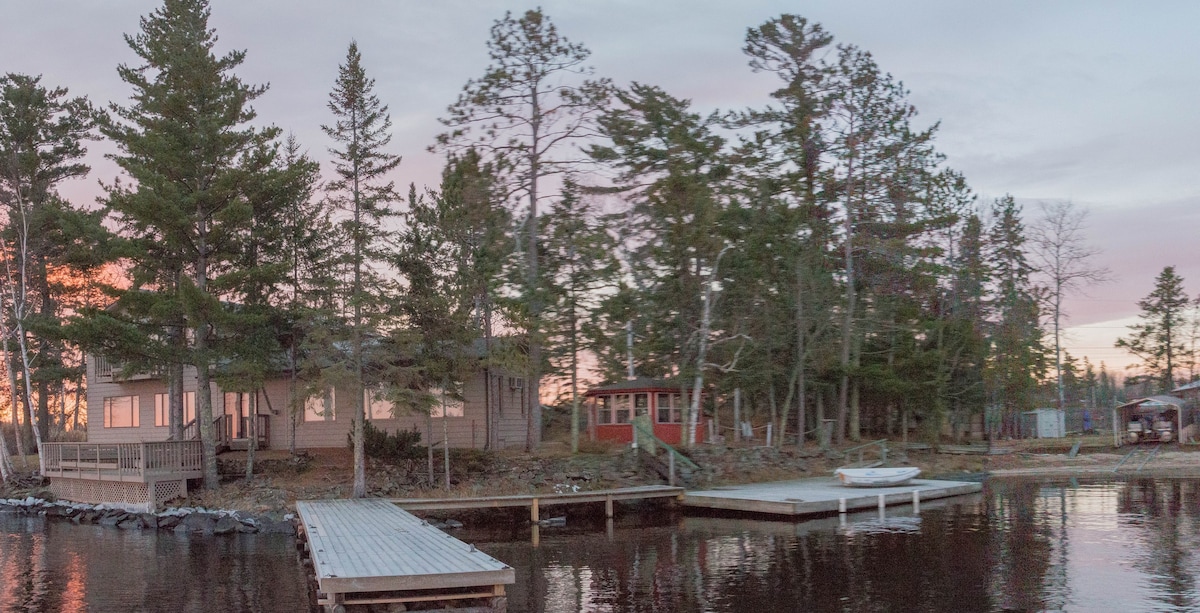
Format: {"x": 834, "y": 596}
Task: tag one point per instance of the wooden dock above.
{"x": 369, "y": 551}
{"x": 821, "y": 496}
{"x": 536, "y": 501}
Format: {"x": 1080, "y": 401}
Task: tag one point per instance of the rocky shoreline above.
{"x": 182, "y": 520}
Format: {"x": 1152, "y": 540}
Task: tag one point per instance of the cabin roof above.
{"x": 1190, "y": 386}
{"x": 1152, "y": 401}
{"x": 640, "y": 384}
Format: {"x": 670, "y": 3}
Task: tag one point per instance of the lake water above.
{"x": 1021, "y": 545}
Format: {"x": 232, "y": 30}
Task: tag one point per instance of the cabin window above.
{"x": 320, "y": 408}
{"x": 622, "y": 408}
{"x": 604, "y": 411}
{"x": 162, "y": 409}
{"x": 376, "y": 407}
{"x": 453, "y": 406}
{"x": 641, "y": 404}
{"x": 121, "y": 412}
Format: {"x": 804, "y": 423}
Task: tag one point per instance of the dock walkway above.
{"x": 820, "y": 496}
{"x": 369, "y": 551}
{"x": 536, "y": 501}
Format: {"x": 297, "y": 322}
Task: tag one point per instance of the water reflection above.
{"x": 51, "y": 566}
{"x": 1022, "y": 545}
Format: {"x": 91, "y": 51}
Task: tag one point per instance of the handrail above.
{"x": 675, "y": 453}
{"x": 1150, "y": 456}
{"x": 881, "y": 443}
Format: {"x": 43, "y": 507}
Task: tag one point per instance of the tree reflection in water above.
{"x": 1022, "y": 545}
{"x": 52, "y": 565}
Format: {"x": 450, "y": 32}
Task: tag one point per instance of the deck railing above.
{"x": 224, "y": 432}
{"x": 124, "y": 461}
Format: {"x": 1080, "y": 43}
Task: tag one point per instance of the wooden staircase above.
{"x": 661, "y": 458}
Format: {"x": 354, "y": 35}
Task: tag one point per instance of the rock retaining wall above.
{"x": 182, "y": 519}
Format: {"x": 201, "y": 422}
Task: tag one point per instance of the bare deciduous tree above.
{"x": 1064, "y": 260}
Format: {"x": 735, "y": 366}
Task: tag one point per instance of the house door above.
{"x": 237, "y": 408}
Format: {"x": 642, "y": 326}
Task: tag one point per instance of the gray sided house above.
{"x": 134, "y": 409}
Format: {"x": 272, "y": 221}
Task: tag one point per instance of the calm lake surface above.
{"x": 1021, "y": 545}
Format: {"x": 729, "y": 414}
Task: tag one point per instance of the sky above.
{"x": 1088, "y": 101}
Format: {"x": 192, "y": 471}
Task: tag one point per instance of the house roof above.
{"x": 640, "y": 384}
{"x": 1190, "y": 386}
{"x": 1153, "y": 401}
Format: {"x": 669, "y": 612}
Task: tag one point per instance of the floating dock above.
{"x": 369, "y": 551}
{"x": 821, "y": 496}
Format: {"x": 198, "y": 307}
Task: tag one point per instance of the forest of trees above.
{"x": 814, "y": 252}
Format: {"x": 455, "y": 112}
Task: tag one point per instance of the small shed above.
{"x": 1044, "y": 423}
{"x": 612, "y": 408}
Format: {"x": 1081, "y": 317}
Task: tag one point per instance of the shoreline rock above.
{"x": 195, "y": 520}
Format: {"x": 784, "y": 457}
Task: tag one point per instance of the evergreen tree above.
{"x": 1158, "y": 341}
{"x": 1017, "y": 359}
{"x": 193, "y": 158}
{"x": 533, "y": 102}
{"x": 362, "y": 190}
{"x": 671, "y": 163}
{"x": 42, "y": 136}
{"x": 580, "y": 267}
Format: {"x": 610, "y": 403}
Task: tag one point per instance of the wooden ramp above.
{"x": 821, "y": 496}
{"x": 369, "y": 551}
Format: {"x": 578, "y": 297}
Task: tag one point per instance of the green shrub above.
{"x": 400, "y": 445}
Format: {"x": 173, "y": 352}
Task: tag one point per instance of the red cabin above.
{"x": 611, "y": 409}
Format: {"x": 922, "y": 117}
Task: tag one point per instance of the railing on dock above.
{"x": 860, "y": 450}
{"x": 124, "y": 461}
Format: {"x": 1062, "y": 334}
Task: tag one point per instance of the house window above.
{"x": 453, "y": 406}
{"x": 669, "y": 409}
{"x": 376, "y": 407}
{"x": 121, "y": 412}
{"x": 622, "y": 408}
{"x": 604, "y": 413}
{"x": 162, "y": 409}
{"x": 641, "y": 404}
{"x": 320, "y": 408}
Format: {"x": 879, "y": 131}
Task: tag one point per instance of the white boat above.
{"x": 876, "y": 477}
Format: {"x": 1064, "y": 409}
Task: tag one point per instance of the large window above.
{"x": 162, "y": 409}
{"x": 669, "y": 409}
{"x": 121, "y": 412}
{"x": 376, "y": 407}
{"x": 453, "y": 406}
{"x": 320, "y": 408}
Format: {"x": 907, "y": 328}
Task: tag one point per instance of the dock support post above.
{"x": 535, "y": 535}
{"x": 671, "y": 468}
{"x": 882, "y": 502}
{"x": 842, "y": 506}
{"x": 533, "y": 511}
{"x": 916, "y": 502}
{"x": 608, "y": 506}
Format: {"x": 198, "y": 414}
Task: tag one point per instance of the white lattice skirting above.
{"x": 123, "y": 493}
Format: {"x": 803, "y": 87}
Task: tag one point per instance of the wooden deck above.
{"x": 821, "y": 496}
{"x": 371, "y": 551}
{"x": 536, "y": 501}
{"x": 128, "y": 462}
